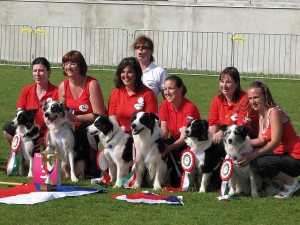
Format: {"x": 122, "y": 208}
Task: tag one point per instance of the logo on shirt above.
{"x": 49, "y": 100}
{"x": 189, "y": 119}
{"x": 151, "y": 84}
{"x": 83, "y": 108}
{"x": 234, "y": 117}
{"x": 140, "y": 104}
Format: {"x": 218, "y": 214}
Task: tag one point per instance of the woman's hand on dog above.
{"x": 246, "y": 158}
{"x": 217, "y": 137}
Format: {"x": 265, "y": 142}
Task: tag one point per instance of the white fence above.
{"x": 198, "y": 53}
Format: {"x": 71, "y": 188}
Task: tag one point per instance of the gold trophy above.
{"x": 49, "y": 156}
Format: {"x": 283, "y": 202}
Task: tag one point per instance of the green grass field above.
{"x": 101, "y": 209}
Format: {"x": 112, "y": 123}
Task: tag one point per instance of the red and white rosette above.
{"x": 101, "y": 161}
{"x": 16, "y": 143}
{"x": 226, "y": 169}
{"x": 187, "y": 160}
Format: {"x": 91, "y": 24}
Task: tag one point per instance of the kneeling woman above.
{"x": 278, "y": 154}
{"x": 175, "y": 114}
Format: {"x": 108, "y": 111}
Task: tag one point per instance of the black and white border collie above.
{"x": 26, "y": 127}
{"x": 207, "y": 156}
{"x": 237, "y": 143}
{"x": 149, "y": 144}
{"x": 118, "y": 147}
{"x": 60, "y": 136}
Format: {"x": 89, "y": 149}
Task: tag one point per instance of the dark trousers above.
{"x": 269, "y": 166}
{"x": 84, "y": 150}
{"x": 173, "y": 162}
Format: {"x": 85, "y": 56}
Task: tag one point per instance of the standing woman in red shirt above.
{"x": 130, "y": 94}
{"x": 83, "y": 95}
{"x": 231, "y": 106}
{"x": 33, "y": 96}
{"x": 278, "y": 154}
{"x": 175, "y": 113}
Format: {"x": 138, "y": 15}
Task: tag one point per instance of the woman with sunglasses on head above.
{"x": 83, "y": 96}
{"x": 153, "y": 75}
{"x": 278, "y": 154}
{"x": 175, "y": 114}
{"x": 130, "y": 95}
{"x": 231, "y": 106}
{"x": 33, "y": 96}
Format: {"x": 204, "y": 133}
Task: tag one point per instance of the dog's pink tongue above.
{"x": 47, "y": 122}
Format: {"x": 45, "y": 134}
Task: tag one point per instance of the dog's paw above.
{"x": 136, "y": 186}
{"x": 202, "y": 190}
{"x": 231, "y": 192}
{"x": 30, "y": 175}
{"x": 254, "y": 194}
{"x": 157, "y": 188}
{"x": 116, "y": 186}
{"x": 74, "y": 179}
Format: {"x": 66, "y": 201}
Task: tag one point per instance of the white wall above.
{"x": 234, "y": 16}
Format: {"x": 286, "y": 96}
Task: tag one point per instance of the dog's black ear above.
{"x": 245, "y": 130}
{"x": 223, "y": 127}
{"x": 63, "y": 106}
{"x": 205, "y": 124}
{"x": 95, "y": 115}
{"x": 133, "y": 116}
{"x": 32, "y": 111}
{"x": 153, "y": 116}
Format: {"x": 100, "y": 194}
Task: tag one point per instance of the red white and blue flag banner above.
{"x": 28, "y": 194}
{"x": 149, "y": 198}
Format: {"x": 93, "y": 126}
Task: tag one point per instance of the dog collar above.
{"x": 112, "y": 145}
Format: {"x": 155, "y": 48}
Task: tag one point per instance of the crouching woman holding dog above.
{"x": 278, "y": 154}
{"x": 175, "y": 114}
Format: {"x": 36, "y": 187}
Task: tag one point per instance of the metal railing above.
{"x": 103, "y": 48}
{"x": 193, "y": 52}
{"x": 183, "y": 52}
{"x": 15, "y": 45}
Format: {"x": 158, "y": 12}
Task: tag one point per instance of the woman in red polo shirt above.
{"x": 175, "y": 114}
{"x": 231, "y": 106}
{"x": 130, "y": 95}
{"x": 278, "y": 154}
{"x": 32, "y": 97}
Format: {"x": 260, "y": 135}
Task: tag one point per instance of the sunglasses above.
{"x": 70, "y": 64}
{"x": 141, "y": 47}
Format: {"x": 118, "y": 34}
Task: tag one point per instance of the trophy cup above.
{"x": 48, "y": 161}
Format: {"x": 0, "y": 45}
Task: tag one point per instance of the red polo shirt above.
{"x": 29, "y": 100}
{"x": 123, "y": 106}
{"x": 239, "y": 113}
{"x": 176, "y": 119}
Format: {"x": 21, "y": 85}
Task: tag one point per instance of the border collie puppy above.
{"x": 60, "y": 136}
{"x": 207, "y": 157}
{"x": 149, "y": 144}
{"x": 118, "y": 147}
{"x": 28, "y": 131}
{"x": 237, "y": 143}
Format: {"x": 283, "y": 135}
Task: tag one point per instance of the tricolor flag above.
{"x": 149, "y": 198}
{"x": 28, "y": 194}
